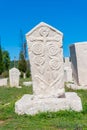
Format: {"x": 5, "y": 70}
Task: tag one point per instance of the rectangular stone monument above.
{"x": 3, "y": 82}
{"x": 78, "y": 53}
{"x": 14, "y": 77}
{"x": 67, "y": 70}
{"x": 46, "y": 60}
{"x": 68, "y": 74}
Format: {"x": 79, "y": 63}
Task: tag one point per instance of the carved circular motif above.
{"x": 44, "y": 31}
{"x": 55, "y": 64}
{"x": 53, "y": 49}
{"x": 39, "y": 60}
{"x": 37, "y": 48}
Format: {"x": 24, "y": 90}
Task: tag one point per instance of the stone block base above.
{"x": 31, "y": 104}
{"x": 76, "y": 87}
{"x": 27, "y": 83}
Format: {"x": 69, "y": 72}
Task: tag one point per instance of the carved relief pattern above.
{"x": 55, "y": 64}
{"x": 38, "y": 60}
{"x": 37, "y": 48}
{"x": 44, "y": 31}
{"x": 46, "y": 59}
{"x": 53, "y": 49}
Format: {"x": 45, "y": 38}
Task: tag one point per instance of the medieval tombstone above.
{"x": 67, "y": 70}
{"x": 46, "y": 60}
{"x": 3, "y": 82}
{"x": 67, "y": 62}
{"x": 14, "y": 77}
{"x": 78, "y": 53}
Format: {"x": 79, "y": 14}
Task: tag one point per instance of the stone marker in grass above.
{"x": 46, "y": 60}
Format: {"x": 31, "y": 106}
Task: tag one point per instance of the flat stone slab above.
{"x": 31, "y": 104}
{"x": 3, "y": 82}
{"x": 27, "y": 83}
{"x": 76, "y": 87}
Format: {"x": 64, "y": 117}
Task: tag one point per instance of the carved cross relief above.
{"x": 46, "y": 58}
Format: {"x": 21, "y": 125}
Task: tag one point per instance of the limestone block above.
{"x": 68, "y": 74}
{"x": 3, "y": 81}
{"x": 46, "y": 60}
{"x": 67, "y": 62}
{"x": 27, "y": 83}
{"x": 78, "y": 53}
{"x": 30, "y": 104}
{"x": 14, "y": 77}
{"x": 47, "y": 69}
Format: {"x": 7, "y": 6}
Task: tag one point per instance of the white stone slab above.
{"x": 3, "y": 81}
{"x": 47, "y": 69}
{"x": 30, "y": 104}
{"x": 67, "y": 62}
{"x": 68, "y": 74}
{"x": 46, "y": 60}
{"x": 75, "y": 86}
{"x": 14, "y": 77}
{"x": 78, "y": 53}
{"x": 27, "y": 83}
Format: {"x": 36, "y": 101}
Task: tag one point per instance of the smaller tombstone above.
{"x": 67, "y": 70}
{"x": 67, "y": 62}
{"x": 3, "y": 82}
{"x": 68, "y": 74}
{"x": 27, "y": 83}
{"x": 14, "y": 77}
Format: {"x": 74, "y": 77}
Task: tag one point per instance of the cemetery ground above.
{"x": 62, "y": 120}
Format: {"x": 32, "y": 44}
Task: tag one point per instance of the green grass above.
{"x": 62, "y": 120}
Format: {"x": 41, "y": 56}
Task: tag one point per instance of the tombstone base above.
{"x": 76, "y": 87}
{"x": 30, "y": 104}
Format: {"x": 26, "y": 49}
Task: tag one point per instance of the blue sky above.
{"x": 68, "y": 16}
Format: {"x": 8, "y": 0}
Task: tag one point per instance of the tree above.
{"x": 1, "y": 61}
{"x": 6, "y": 60}
{"x": 22, "y": 65}
{"x": 23, "y": 45}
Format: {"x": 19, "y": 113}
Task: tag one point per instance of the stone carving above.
{"x": 14, "y": 77}
{"x": 37, "y": 48}
{"x": 46, "y": 58}
{"x": 39, "y": 60}
{"x": 55, "y": 64}
{"x": 53, "y": 49}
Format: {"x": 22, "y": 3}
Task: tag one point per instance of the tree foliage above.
{"x": 22, "y": 65}
{"x": 6, "y": 60}
{"x": 1, "y": 61}
{"x": 23, "y": 45}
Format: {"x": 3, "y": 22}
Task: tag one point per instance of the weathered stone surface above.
{"x": 46, "y": 59}
{"x": 67, "y": 62}
{"x": 75, "y": 86}
{"x": 67, "y": 70}
{"x": 3, "y": 82}
{"x": 68, "y": 74}
{"x": 30, "y": 104}
{"x": 14, "y": 77}
{"x": 78, "y": 52}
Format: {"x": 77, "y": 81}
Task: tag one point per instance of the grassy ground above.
{"x": 62, "y": 120}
